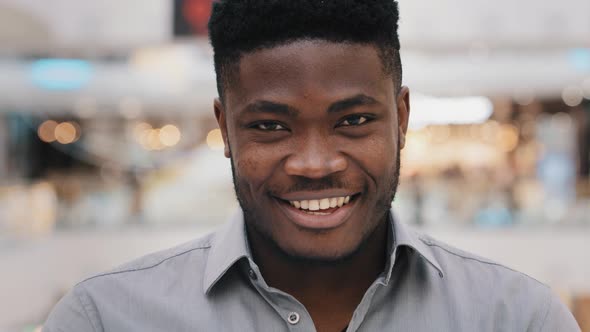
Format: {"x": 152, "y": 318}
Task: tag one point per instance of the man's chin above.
{"x": 323, "y": 256}
{"x": 319, "y": 258}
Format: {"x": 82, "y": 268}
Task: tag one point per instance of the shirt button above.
{"x": 293, "y": 318}
{"x": 252, "y": 274}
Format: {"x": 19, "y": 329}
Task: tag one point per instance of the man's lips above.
{"x": 318, "y": 219}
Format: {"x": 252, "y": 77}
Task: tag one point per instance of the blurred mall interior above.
{"x": 109, "y": 147}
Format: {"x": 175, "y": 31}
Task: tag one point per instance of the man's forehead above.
{"x": 309, "y": 52}
{"x": 308, "y": 67}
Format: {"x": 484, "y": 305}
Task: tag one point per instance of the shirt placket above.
{"x": 291, "y": 311}
{"x": 361, "y": 310}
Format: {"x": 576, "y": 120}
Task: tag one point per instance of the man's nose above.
{"x": 315, "y": 158}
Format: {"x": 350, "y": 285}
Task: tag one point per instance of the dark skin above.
{"x": 307, "y": 120}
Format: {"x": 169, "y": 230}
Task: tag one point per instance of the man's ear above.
{"x": 220, "y": 115}
{"x": 403, "y": 114}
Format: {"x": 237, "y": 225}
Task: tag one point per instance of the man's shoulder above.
{"x": 471, "y": 278}
{"x": 501, "y": 290}
{"x": 458, "y": 263}
{"x": 164, "y": 262}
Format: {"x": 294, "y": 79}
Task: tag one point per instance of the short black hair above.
{"x": 237, "y": 27}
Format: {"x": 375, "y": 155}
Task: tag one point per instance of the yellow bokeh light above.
{"x": 153, "y": 140}
{"x": 170, "y": 135}
{"x": 46, "y": 131}
{"x": 508, "y": 138}
{"x": 65, "y": 133}
{"x": 141, "y": 130}
{"x": 141, "y": 133}
{"x": 215, "y": 140}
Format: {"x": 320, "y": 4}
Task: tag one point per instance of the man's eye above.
{"x": 354, "y": 120}
{"x": 268, "y": 126}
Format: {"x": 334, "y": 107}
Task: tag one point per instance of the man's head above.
{"x": 312, "y": 110}
{"x": 238, "y": 27}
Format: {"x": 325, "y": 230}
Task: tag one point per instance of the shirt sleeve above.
{"x": 70, "y": 314}
{"x": 557, "y": 316}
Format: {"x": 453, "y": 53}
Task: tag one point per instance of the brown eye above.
{"x": 355, "y": 120}
{"x": 268, "y": 126}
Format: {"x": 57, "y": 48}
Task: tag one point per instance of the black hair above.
{"x": 237, "y": 27}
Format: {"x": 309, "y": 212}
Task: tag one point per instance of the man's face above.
{"x": 308, "y": 125}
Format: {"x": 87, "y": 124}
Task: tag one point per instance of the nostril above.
{"x": 316, "y": 166}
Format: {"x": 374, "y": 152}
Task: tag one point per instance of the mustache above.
{"x": 307, "y": 184}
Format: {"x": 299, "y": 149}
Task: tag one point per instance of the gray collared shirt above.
{"x": 212, "y": 284}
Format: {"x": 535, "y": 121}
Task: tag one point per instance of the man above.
{"x": 313, "y": 115}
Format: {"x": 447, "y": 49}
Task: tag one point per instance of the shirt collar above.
{"x": 230, "y": 245}
{"x": 405, "y": 236}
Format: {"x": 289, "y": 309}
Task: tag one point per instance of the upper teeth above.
{"x": 321, "y": 204}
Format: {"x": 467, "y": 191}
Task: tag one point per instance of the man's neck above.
{"x": 330, "y": 292}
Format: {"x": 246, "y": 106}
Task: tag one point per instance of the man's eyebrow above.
{"x": 263, "y": 106}
{"x": 348, "y": 103}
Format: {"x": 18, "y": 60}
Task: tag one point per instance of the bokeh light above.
{"x": 46, "y": 131}
{"x": 508, "y": 137}
{"x": 170, "y": 135}
{"x": 572, "y": 96}
{"x": 66, "y": 133}
{"x": 153, "y": 140}
{"x": 215, "y": 140}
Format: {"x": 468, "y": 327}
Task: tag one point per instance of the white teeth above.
{"x": 314, "y": 205}
{"x": 333, "y": 202}
{"x": 321, "y": 204}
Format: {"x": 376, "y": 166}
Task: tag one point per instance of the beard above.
{"x": 252, "y": 216}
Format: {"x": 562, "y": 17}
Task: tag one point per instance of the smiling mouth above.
{"x": 321, "y": 207}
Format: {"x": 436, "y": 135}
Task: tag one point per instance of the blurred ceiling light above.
{"x": 61, "y": 74}
{"x": 46, "y": 131}
{"x": 572, "y": 96}
{"x": 440, "y": 111}
{"x": 215, "y": 140}
{"x": 170, "y": 135}
{"x": 65, "y": 133}
{"x": 130, "y": 108}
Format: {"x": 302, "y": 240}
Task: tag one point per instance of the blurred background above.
{"x": 109, "y": 148}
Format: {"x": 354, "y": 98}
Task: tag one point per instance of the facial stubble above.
{"x": 383, "y": 206}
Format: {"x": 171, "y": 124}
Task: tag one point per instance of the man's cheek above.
{"x": 250, "y": 170}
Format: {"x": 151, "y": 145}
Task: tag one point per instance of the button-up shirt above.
{"x": 213, "y": 284}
